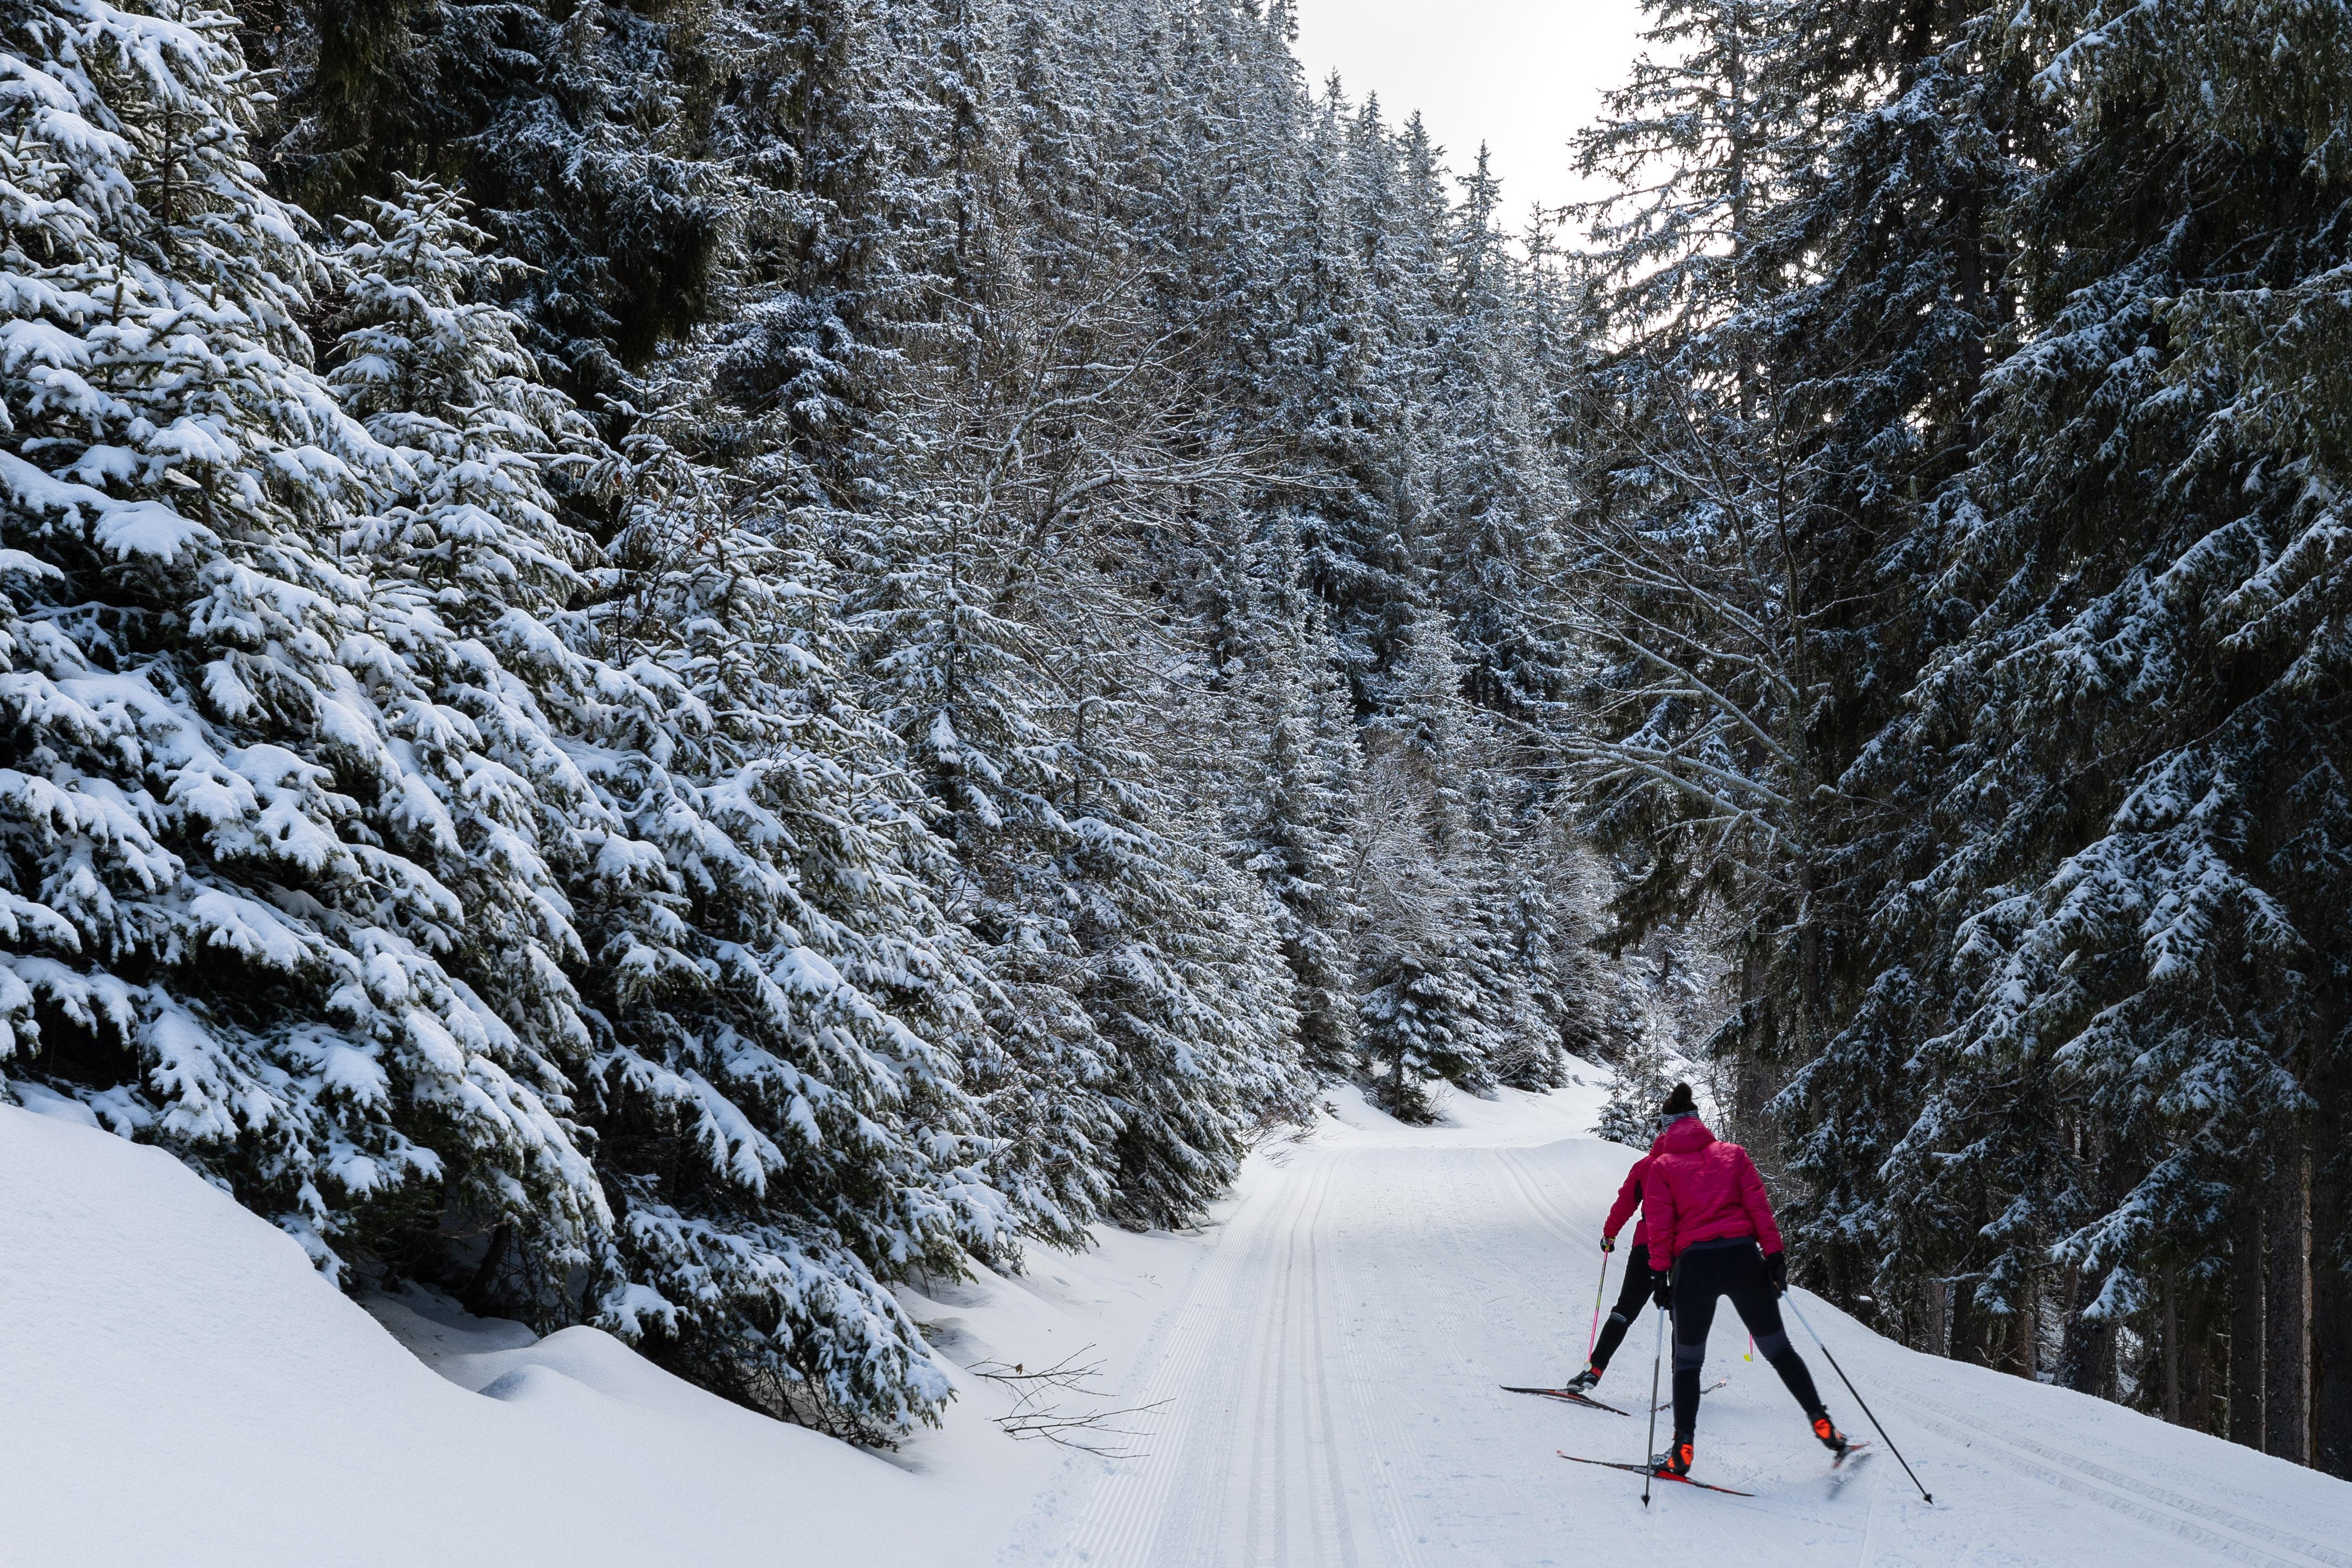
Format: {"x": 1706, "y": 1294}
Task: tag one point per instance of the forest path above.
{"x": 1331, "y": 1371}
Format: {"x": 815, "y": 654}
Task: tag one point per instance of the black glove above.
{"x": 1776, "y": 1268}
{"x": 1662, "y": 1287}
{"x": 1608, "y": 1244}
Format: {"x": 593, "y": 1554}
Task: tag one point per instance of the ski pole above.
{"x": 1650, "y": 1453}
{"x": 1594, "y": 1337}
{"x": 1858, "y": 1399}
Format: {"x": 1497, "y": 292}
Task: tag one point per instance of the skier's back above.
{"x": 1712, "y": 1234}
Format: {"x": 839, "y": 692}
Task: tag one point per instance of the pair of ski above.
{"x": 1854, "y": 1451}
{"x": 1658, "y": 1474}
{"x": 1571, "y": 1396}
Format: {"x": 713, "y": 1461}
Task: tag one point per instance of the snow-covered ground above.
{"x": 180, "y": 1389}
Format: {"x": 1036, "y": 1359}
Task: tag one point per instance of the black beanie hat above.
{"x": 1680, "y": 1103}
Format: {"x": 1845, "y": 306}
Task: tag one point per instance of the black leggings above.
{"x": 1629, "y": 1300}
{"x": 1736, "y": 1270}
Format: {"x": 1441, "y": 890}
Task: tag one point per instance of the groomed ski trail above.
{"x": 1332, "y": 1366}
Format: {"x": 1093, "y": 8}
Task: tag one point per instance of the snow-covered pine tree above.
{"x": 1512, "y": 927}
{"x": 1492, "y": 500}
{"x": 1334, "y": 387}
{"x": 2136, "y": 944}
{"x": 473, "y": 563}
{"x": 267, "y": 895}
{"x": 1692, "y": 144}
{"x": 836, "y": 302}
{"x": 1645, "y": 1075}
{"x": 1871, "y": 356}
{"x": 1292, "y": 825}
{"x": 779, "y": 1081}
{"x": 1429, "y": 1003}
{"x": 1582, "y": 994}
{"x": 2281, "y": 348}
{"x": 578, "y": 129}
{"x": 1487, "y": 503}
{"x": 1421, "y": 1020}
{"x": 1184, "y": 977}
{"x": 1060, "y": 62}
{"x": 953, "y": 678}
{"x": 777, "y": 1005}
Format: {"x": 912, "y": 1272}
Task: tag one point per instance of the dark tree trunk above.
{"x": 2197, "y": 1361}
{"x": 2331, "y": 1250}
{"x": 480, "y": 1295}
{"x": 1966, "y": 1336}
{"x": 2286, "y": 1297}
{"x": 2169, "y": 1352}
{"x": 2246, "y": 1320}
{"x": 2013, "y": 1341}
{"x": 2086, "y": 1359}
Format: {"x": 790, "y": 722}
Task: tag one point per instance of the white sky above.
{"x": 1520, "y": 75}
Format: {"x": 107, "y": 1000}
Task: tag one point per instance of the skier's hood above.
{"x": 1688, "y": 1133}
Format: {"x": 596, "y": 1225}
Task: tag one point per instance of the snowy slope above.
{"x": 183, "y": 1389}
{"x": 1335, "y": 1368}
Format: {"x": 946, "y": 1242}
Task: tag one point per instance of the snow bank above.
{"x": 183, "y": 1389}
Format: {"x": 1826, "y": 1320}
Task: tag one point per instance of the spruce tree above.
{"x": 1492, "y": 498}
{"x": 1429, "y": 1005}
{"x": 780, "y": 1089}
{"x": 682, "y": 744}
{"x": 1293, "y": 824}
{"x": 574, "y": 128}
{"x": 273, "y": 904}
{"x": 2132, "y": 933}
{"x": 1630, "y": 1117}
{"x": 1876, "y": 350}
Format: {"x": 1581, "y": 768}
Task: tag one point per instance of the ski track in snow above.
{"x": 1325, "y": 1360}
{"x": 1332, "y": 1371}
{"x": 2084, "y": 1478}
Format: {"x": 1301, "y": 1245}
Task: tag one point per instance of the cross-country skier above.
{"x": 1711, "y": 1235}
{"x": 1637, "y": 1288}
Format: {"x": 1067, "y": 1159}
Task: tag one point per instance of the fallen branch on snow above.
{"x": 1034, "y": 1416}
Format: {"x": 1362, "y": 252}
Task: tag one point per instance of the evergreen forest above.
{"x": 663, "y": 663}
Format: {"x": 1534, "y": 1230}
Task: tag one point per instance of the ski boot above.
{"x": 1675, "y": 1462}
{"x": 1584, "y": 1382}
{"x": 1835, "y": 1441}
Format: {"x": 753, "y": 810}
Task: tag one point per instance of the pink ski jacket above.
{"x": 1698, "y": 1190}
{"x": 1628, "y": 1196}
